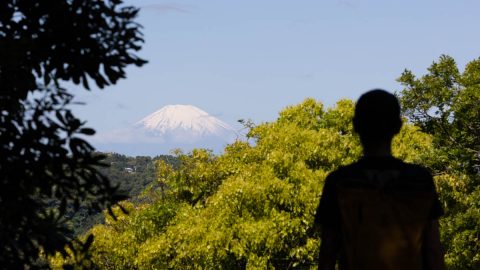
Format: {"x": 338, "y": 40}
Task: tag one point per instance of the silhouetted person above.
{"x": 379, "y": 212}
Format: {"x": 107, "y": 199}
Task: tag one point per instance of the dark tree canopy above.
{"x": 65, "y": 39}
{"x": 445, "y": 103}
{"x": 42, "y": 156}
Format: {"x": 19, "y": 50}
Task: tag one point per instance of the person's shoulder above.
{"x": 345, "y": 171}
{"x": 416, "y": 171}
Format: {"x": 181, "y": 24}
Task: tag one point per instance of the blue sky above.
{"x": 250, "y": 59}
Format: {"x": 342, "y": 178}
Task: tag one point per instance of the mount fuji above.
{"x": 182, "y": 123}
{"x": 173, "y": 126}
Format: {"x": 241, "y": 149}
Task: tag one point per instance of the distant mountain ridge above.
{"x": 172, "y": 126}
{"x": 188, "y": 119}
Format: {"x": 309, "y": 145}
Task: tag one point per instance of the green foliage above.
{"x": 43, "y": 156}
{"x": 446, "y": 104}
{"x": 133, "y": 176}
{"x": 197, "y": 178}
{"x": 117, "y": 241}
{"x": 251, "y": 207}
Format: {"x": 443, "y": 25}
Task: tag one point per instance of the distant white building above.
{"x": 130, "y": 169}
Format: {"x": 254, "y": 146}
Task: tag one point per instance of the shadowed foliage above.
{"x": 43, "y": 155}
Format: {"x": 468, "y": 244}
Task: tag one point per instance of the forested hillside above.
{"x": 131, "y": 174}
{"x": 253, "y": 206}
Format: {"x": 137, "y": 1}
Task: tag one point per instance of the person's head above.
{"x": 377, "y": 117}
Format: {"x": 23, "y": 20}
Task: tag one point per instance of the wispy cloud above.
{"x": 165, "y": 8}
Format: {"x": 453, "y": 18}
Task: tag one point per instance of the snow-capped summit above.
{"x": 182, "y": 118}
{"x": 173, "y": 126}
